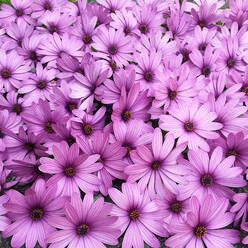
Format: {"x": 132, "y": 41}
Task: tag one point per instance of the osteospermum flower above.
{"x": 4, "y": 221}
{"x": 85, "y": 224}
{"x": 39, "y": 85}
{"x": 202, "y": 224}
{"x": 113, "y": 44}
{"x": 191, "y": 124}
{"x": 29, "y": 213}
{"x": 157, "y": 168}
{"x": 138, "y": 215}
{"x": 110, "y": 158}
{"x": 71, "y": 170}
{"x": 210, "y": 175}
{"x": 13, "y": 70}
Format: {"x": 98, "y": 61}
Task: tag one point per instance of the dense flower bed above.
{"x": 123, "y": 119}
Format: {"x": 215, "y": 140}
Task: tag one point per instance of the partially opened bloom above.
{"x": 138, "y": 215}
{"x": 157, "y": 168}
{"x": 201, "y": 226}
{"x": 111, "y": 164}
{"x": 113, "y": 44}
{"x": 86, "y": 224}
{"x": 192, "y": 124}
{"x": 210, "y": 175}
{"x": 29, "y": 214}
{"x": 70, "y": 170}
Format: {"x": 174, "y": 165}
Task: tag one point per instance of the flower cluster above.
{"x": 124, "y": 123}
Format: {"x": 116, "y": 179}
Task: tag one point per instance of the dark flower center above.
{"x": 112, "y": 50}
{"x": 172, "y": 94}
{"x": 16, "y": 108}
{"x": 230, "y": 62}
{"x": 189, "y": 126}
{"x": 69, "y": 171}
{"x": 200, "y": 231}
{"x": 70, "y": 141}
{"x": 113, "y": 65}
{"x": 29, "y": 147}
{"x": 176, "y": 207}
{"x": 143, "y": 28}
{"x": 33, "y": 56}
{"x": 207, "y": 180}
{"x": 201, "y": 24}
{"x": 185, "y": 56}
{"x": 245, "y": 90}
{"x": 100, "y": 160}
{"x": 5, "y": 73}
{"x": 70, "y": 107}
{"x": 83, "y": 229}
{"x": 134, "y": 214}
{"x": 41, "y": 84}
{"x": 206, "y": 71}
{"x": 19, "y": 42}
{"x": 87, "y": 129}
{"x": 53, "y": 29}
{"x": 231, "y": 153}
{"x": 156, "y": 165}
{"x": 126, "y": 115}
{"x": 36, "y": 214}
{"x": 47, "y": 6}
{"x": 48, "y": 127}
{"x": 81, "y": 71}
{"x": 129, "y": 149}
{"x": 86, "y": 39}
{"x": 1, "y": 134}
{"x": 202, "y": 47}
{"x": 19, "y": 12}
{"x": 127, "y": 31}
{"x": 148, "y": 76}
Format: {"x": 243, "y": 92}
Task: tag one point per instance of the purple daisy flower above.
{"x": 27, "y": 169}
{"x": 40, "y": 120}
{"x": 85, "y": 224}
{"x": 210, "y": 175}
{"x": 201, "y": 226}
{"x": 39, "y": 85}
{"x": 13, "y": 70}
{"x": 240, "y": 207}
{"x": 113, "y": 5}
{"x": 132, "y": 134}
{"x": 132, "y": 105}
{"x": 173, "y": 89}
{"x": 157, "y": 168}
{"x": 26, "y": 144}
{"x": 138, "y": 215}
{"x": 9, "y": 123}
{"x": 20, "y": 10}
{"x": 110, "y": 158}
{"x": 111, "y": 90}
{"x": 192, "y": 124}
{"x": 244, "y": 226}
{"x": 29, "y": 213}
{"x": 85, "y": 124}
{"x": 71, "y": 170}
{"x": 86, "y": 86}
{"x": 147, "y": 69}
{"x": 204, "y": 64}
{"x": 235, "y": 145}
{"x": 113, "y": 44}
{"x": 13, "y": 103}
{"x": 61, "y": 100}
{"x": 54, "y": 45}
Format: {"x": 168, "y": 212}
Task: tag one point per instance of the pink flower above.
{"x": 157, "y": 168}
{"x": 71, "y": 170}
{"x": 192, "y": 124}
{"x": 201, "y": 227}
{"x": 29, "y": 213}
{"x": 4, "y": 221}
{"x": 210, "y": 175}
{"x": 240, "y": 207}
{"x": 85, "y": 224}
{"x": 138, "y": 215}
